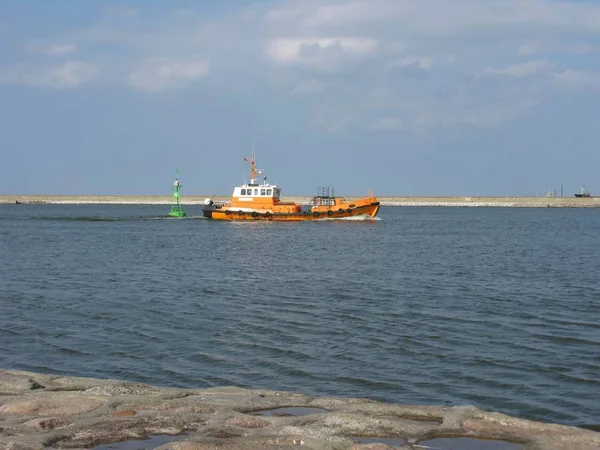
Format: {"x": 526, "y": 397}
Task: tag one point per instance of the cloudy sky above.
{"x": 405, "y": 97}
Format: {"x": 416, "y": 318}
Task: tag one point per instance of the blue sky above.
{"x": 404, "y": 97}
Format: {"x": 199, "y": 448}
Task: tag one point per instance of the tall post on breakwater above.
{"x": 176, "y": 208}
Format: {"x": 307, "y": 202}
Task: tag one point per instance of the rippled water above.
{"x": 498, "y": 308}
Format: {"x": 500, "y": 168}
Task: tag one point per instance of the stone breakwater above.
{"x": 42, "y": 411}
{"x": 506, "y": 202}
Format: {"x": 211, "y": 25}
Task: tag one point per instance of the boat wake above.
{"x": 176, "y": 218}
{"x": 359, "y": 218}
{"x": 76, "y": 219}
{"x": 109, "y": 219}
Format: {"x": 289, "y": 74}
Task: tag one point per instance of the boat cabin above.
{"x": 248, "y": 192}
{"x": 263, "y": 196}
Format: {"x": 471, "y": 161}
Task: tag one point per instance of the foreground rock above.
{"x": 46, "y": 411}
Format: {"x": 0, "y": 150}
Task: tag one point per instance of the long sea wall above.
{"x": 508, "y": 202}
{"x": 50, "y": 411}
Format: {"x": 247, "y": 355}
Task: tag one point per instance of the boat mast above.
{"x": 252, "y": 169}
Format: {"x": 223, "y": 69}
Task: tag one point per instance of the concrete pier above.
{"x": 472, "y": 201}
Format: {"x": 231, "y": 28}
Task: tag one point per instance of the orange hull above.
{"x": 227, "y": 212}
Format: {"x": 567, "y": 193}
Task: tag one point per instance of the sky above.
{"x": 401, "y": 97}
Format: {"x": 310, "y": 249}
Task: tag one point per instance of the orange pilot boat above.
{"x": 255, "y": 201}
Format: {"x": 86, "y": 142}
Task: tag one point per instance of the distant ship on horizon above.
{"x": 583, "y": 193}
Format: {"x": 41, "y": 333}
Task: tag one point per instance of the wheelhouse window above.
{"x": 243, "y": 191}
{"x": 262, "y": 192}
{"x": 269, "y": 191}
{"x": 255, "y": 191}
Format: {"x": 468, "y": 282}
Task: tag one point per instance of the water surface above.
{"x": 498, "y": 308}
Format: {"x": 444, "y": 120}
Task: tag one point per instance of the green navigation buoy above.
{"x": 176, "y": 209}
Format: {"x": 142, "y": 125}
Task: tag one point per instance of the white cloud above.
{"x": 435, "y": 17}
{"x": 70, "y": 74}
{"x": 577, "y": 80}
{"x": 381, "y": 64}
{"x": 320, "y": 53}
{"x": 581, "y": 48}
{"x": 333, "y": 119}
{"x": 424, "y": 117}
{"x": 523, "y": 69}
{"x": 122, "y": 11}
{"x": 41, "y": 47}
{"x": 380, "y": 93}
{"x": 159, "y": 74}
{"x": 308, "y": 87}
{"x": 61, "y": 50}
{"x": 73, "y": 73}
{"x": 282, "y": 15}
{"x": 422, "y": 62}
{"x": 538, "y": 47}
{"x": 529, "y": 48}
{"x": 315, "y": 13}
{"x": 388, "y": 124}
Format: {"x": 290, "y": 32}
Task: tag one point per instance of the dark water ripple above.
{"x": 493, "y": 307}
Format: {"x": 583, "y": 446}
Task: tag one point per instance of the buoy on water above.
{"x": 176, "y": 208}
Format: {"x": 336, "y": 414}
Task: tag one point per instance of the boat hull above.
{"x": 368, "y": 210}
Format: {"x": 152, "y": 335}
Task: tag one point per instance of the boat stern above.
{"x": 210, "y": 209}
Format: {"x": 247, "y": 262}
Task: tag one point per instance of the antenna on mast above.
{"x": 252, "y": 168}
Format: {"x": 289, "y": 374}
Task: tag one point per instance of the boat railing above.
{"x": 323, "y": 201}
